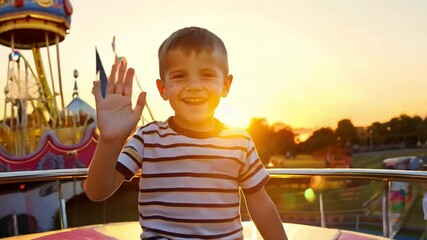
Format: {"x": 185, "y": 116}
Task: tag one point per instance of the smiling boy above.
{"x": 192, "y": 166}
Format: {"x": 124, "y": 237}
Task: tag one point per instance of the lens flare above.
{"x": 309, "y": 195}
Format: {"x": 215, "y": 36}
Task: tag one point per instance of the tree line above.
{"x": 279, "y": 139}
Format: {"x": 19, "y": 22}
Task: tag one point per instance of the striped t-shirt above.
{"x": 190, "y": 181}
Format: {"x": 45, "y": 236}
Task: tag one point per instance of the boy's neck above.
{"x": 205, "y": 126}
{"x": 218, "y": 127}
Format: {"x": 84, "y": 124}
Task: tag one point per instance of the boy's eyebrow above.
{"x": 176, "y": 71}
{"x": 208, "y": 69}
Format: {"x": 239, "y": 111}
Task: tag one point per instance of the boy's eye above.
{"x": 177, "y": 76}
{"x": 208, "y": 75}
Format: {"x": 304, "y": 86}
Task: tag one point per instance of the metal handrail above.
{"x": 353, "y": 173}
{"x": 383, "y": 175}
{"x": 42, "y": 175}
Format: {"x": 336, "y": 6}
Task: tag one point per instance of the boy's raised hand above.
{"x": 115, "y": 116}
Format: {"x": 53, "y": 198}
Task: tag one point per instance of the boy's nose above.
{"x": 194, "y": 87}
{"x": 194, "y": 84}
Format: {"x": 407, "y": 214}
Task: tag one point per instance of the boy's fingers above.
{"x": 111, "y": 79}
{"x": 96, "y": 90}
{"x": 127, "y": 86}
{"x": 140, "y": 104}
{"x": 120, "y": 77}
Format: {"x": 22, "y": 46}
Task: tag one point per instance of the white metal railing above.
{"x": 353, "y": 173}
{"x": 383, "y": 175}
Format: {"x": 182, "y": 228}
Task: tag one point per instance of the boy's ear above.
{"x": 227, "y": 84}
{"x": 162, "y": 89}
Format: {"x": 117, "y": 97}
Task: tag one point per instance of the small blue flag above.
{"x": 102, "y": 75}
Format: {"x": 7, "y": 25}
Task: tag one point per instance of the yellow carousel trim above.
{"x": 33, "y": 14}
{"x": 44, "y": 3}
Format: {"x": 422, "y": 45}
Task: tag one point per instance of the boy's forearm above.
{"x": 265, "y": 216}
{"x": 269, "y": 223}
{"x": 103, "y": 179}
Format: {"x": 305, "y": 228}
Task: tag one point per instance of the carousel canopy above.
{"x": 26, "y": 23}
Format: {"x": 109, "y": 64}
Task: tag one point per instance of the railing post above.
{"x": 385, "y": 209}
{"x": 15, "y": 224}
{"x": 357, "y": 221}
{"x": 62, "y": 207}
{"x": 322, "y": 212}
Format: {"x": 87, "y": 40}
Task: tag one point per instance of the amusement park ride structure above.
{"x": 38, "y": 132}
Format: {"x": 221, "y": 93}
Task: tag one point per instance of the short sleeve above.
{"x": 130, "y": 158}
{"x": 253, "y": 175}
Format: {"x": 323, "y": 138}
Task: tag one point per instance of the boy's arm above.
{"x": 116, "y": 120}
{"x": 103, "y": 179}
{"x": 265, "y": 216}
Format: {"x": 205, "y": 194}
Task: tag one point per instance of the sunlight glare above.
{"x": 232, "y": 117}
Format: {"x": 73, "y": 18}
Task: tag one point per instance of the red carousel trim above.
{"x": 18, "y": 3}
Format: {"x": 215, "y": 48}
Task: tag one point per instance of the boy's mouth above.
{"x": 194, "y": 101}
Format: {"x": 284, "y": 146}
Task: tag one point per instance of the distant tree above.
{"x": 378, "y": 132}
{"x": 423, "y": 131}
{"x": 261, "y": 134}
{"x": 420, "y": 129}
{"x": 401, "y": 131}
{"x": 346, "y": 133}
{"x": 394, "y": 131}
{"x": 321, "y": 139}
{"x": 284, "y": 142}
{"x": 409, "y": 130}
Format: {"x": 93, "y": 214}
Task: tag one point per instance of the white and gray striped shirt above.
{"x": 190, "y": 181}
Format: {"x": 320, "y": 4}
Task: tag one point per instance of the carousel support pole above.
{"x": 12, "y": 42}
{"x": 12, "y": 46}
{"x": 19, "y": 133}
{"x": 59, "y": 72}
{"x": 6, "y": 90}
{"x": 51, "y": 72}
{"x": 12, "y": 126}
{"x": 4, "y": 113}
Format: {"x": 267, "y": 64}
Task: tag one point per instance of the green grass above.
{"x": 304, "y": 161}
{"x": 374, "y": 160}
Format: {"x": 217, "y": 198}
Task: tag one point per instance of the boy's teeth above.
{"x": 193, "y": 100}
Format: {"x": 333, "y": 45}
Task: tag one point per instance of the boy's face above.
{"x": 193, "y": 84}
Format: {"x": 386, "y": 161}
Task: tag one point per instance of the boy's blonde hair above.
{"x": 191, "y": 39}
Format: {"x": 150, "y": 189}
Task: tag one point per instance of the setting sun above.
{"x": 232, "y": 116}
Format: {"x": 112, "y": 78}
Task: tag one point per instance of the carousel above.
{"x": 37, "y": 130}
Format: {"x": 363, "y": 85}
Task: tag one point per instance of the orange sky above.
{"x": 304, "y": 63}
